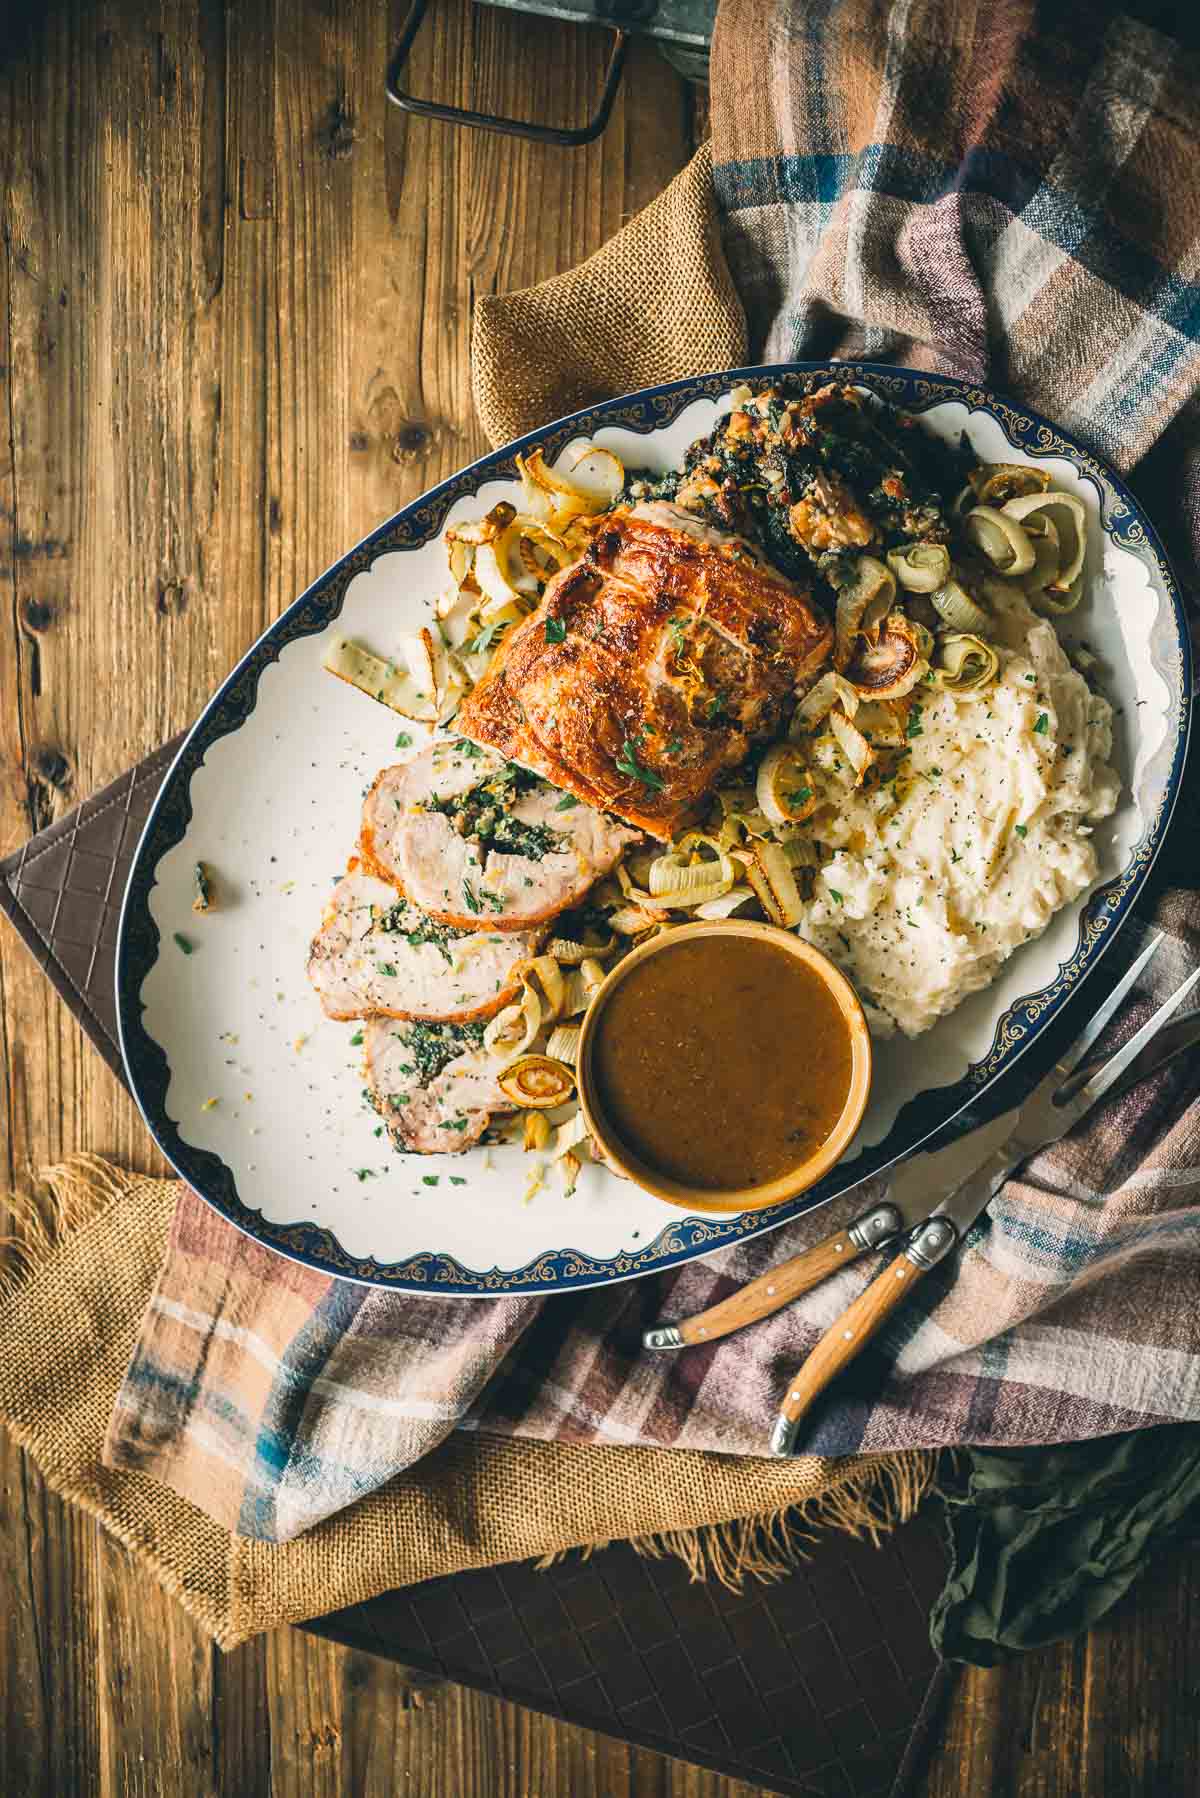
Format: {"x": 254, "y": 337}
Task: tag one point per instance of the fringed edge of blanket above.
{"x": 868, "y": 1498}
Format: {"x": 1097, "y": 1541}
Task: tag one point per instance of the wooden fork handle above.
{"x": 772, "y": 1291}
{"x": 856, "y": 1326}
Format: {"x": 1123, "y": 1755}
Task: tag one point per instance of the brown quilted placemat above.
{"x": 823, "y": 1685}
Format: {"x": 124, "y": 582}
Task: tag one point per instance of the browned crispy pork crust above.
{"x": 649, "y": 668}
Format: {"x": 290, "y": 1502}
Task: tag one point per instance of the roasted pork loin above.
{"x": 651, "y": 666}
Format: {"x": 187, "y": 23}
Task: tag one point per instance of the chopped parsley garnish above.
{"x": 1042, "y": 725}
{"x": 627, "y": 763}
{"x": 471, "y": 750}
{"x": 388, "y": 968}
{"x": 479, "y": 644}
{"x": 404, "y": 741}
{"x": 556, "y": 630}
{"x": 801, "y": 796}
{"x": 566, "y": 803}
{"x": 471, "y": 897}
{"x": 457, "y": 1123}
{"x": 914, "y": 727}
{"x": 356, "y": 1039}
{"x": 457, "y": 1180}
{"x": 674, "y": 746}
{"x": 430, "y": 1179}
{"x": 365, "y": 1173}
{"x": 1021, "y": 830}
{"x": 182, "y": 943}
{"x": 835, "y": 895}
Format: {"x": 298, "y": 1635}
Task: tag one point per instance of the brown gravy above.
{"x": 722, "y": 1062}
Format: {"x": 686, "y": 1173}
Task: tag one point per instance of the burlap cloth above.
{"x": 75, "y": 1288}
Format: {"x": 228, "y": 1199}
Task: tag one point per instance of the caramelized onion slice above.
{"x": 1000, "y": 538}
{"x": 920, "y": 567}
{"x": 861, "y": 606}
{"x": 965, "y": 663}
{"x": 995, "y": 482}
{"x": 537, "y": 1083}
{"x": 893, "y": 666}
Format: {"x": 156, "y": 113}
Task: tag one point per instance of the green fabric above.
{"x": 1044, "y": 1541}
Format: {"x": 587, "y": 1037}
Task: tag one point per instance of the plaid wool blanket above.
{"x": 974, "y": 189}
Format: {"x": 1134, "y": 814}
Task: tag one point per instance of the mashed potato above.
{"x": 933, "y": 879}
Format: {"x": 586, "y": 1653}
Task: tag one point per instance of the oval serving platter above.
{"x": 255, "y": 1098}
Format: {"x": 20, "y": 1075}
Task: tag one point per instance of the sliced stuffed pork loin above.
{"x": 435, "y": 1085}
{"x": 377, "y": 954}
{"x": 475, "y": 840}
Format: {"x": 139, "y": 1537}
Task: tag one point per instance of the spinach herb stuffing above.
{"x": 434, "y": 1046}
{"x": 483, "y": 815}
{"x": 403, "y": 919}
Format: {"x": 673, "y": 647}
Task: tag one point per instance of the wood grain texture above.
{"x": 235, "y": 303}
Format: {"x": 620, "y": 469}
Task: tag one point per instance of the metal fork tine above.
{"x": 1087, "y": 1036}
{"x": 1115, "y": 1066}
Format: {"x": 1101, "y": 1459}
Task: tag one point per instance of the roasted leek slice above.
{"x": 832, "y": 689}
{"x": 1069, "y": 519}
{"x": 861, "y": 606}
{"x": 537, "y": 1083}
{"x": 784, "y": 787}
{"x": 964, "y": 663}
{"x": 769, "y": 872}
{"x": 958, "y": 608}
{"x": 995, "y": 482}
{"x": 1000, "y": 539}
{"x": 853, "y": 744}
{"x": 408, "y": 686}
{"x": 920, "y": 567}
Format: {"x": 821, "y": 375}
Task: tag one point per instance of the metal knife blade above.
{"x": 1041, "y": 1121}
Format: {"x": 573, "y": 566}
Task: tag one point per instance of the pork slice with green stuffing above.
{"x": 377, "y": 954}
{"x": 476, "y": 841}
{"x": 435, "y": 1085}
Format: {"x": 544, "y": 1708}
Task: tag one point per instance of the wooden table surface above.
{"x": 234, "y": 325}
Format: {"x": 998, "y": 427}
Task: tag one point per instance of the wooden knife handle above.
{"x": 856, "y": 1326}
{"x": 772, "y": 1291}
